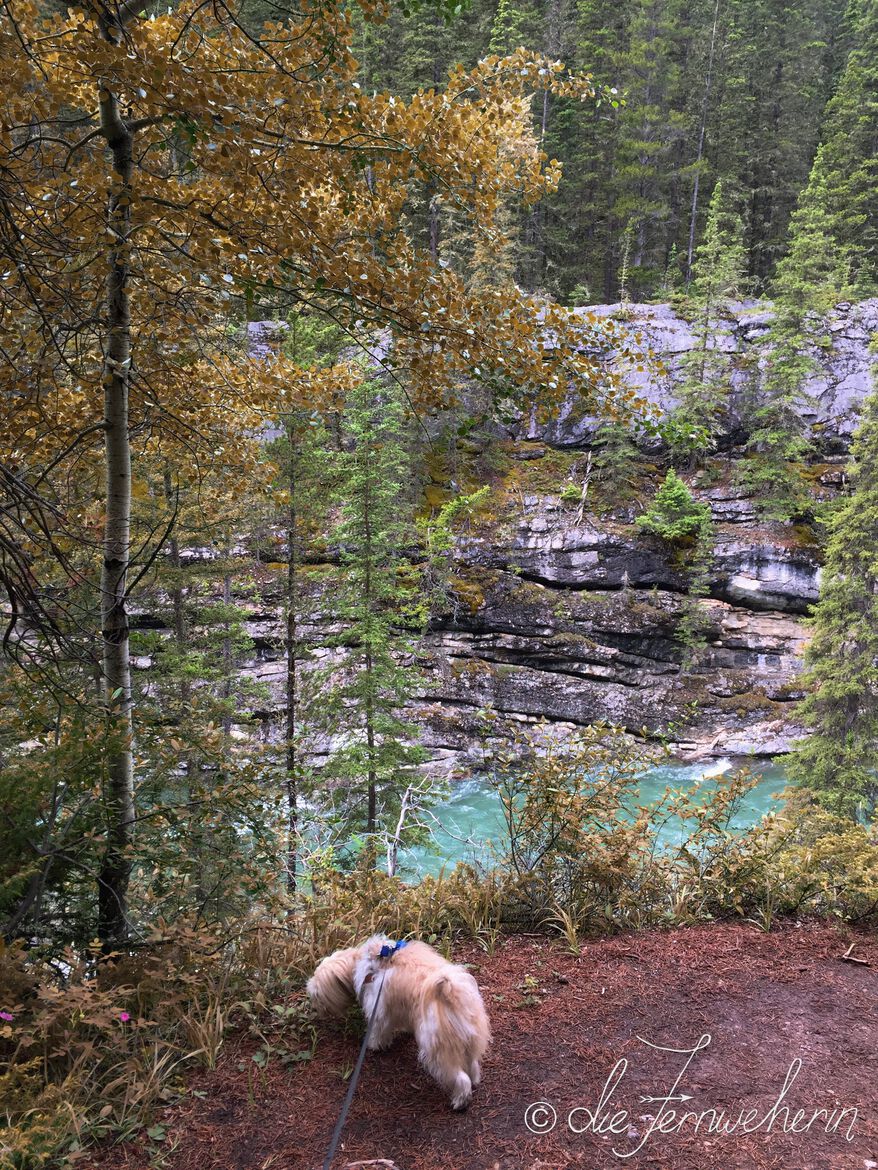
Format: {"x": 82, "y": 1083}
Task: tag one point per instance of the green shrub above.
{"x": 674, "y": 515}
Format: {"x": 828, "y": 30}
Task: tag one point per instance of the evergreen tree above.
{"x": 694, "y": 620}
{"x": 616, "y": 463}
{"x": 368, "y": 775}
{"x": 674, "y": 515}
{"x": 582, "y": 229}
{"x": 776, "y": 74}
{"x": 848, "y": 173}
{"x": 304, "y": 471}
{"x": 652, "y": 126}
{"x": 686, "y": 526}
{"x": 810, "y": 280}
{"x": 837, "y": 761}
{"x": 717, "y": 280}
{"x": 515, "y": 24}
{"x": 712, "y": 51}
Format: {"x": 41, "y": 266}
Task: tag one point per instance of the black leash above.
{"x": 352, "y": 1087}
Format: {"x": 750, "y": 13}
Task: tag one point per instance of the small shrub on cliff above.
{"x": 674, "y": 515}
{"x": 680, "y": 521}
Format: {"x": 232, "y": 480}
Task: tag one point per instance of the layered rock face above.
{"x": 831, "y": 397}
{"x": 574, "y": 624}
{"x": 560, "y": 615}
{"x": 573, "y": 619}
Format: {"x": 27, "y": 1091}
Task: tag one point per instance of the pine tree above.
{"x": 686, "y": 528}
{"x": 810, "y": 280}
{"x": 652, "y": 126}
{"x": 582, "y": 230}
{"x": 674, "y": 516}
{"x": 776, "y": 72}
{"x": 717, "y": 280}
{"x": 616, "y": 463}
{"x": 849, "y": 154}
{"x": 304, "y": 473}
{"x": 837, "y": 761}
{"x": 515, "y": 24}
{"x": 376, "y": 604}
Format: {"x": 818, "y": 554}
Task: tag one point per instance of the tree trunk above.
{"x": 119, "y": 780}
{"x": 393, "y": 842}
{"x": 372, "y": 777}
{"x": 291, "y": 649}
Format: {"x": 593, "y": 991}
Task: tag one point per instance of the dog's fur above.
{"x": 416, "y": 991}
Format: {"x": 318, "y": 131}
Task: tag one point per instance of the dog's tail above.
{"x": 459, "y": 1007}
{"x": 454, "y": 1033}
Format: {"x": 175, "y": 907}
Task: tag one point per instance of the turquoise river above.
{"x": 470, "y": 827}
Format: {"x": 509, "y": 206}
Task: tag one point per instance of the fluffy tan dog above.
{"x": 408, "y": 987}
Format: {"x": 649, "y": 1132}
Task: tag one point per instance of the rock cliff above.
{"x": 571, "y": 617}
{"x": 559, "y": 611}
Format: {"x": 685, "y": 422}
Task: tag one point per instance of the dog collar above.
{"x": 390, "y": 949}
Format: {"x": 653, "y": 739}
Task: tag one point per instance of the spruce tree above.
{"x": 837, "y": 762}
{"x": 810, "y": 280}
{"x": 775, "y": 76}
{"x": 717, "y": 280}
{"x": 652, "y": 126}
{"x": 674, "y": 516}
{"x": 849, "y": 155}
{"x": 616, "y": 463}
{"x": 516, "y": 23}
{"x": 376, "y": 604}
{"x": 300, "y": 454}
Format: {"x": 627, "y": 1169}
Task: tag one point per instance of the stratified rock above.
{"x": 831, "y": 397}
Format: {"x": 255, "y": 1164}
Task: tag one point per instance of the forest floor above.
{"x": 561, "y": 1023}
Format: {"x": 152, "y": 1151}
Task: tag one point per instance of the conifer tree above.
{"x": 848, "y": 174}
{"x": 775, "y": 78}
{"x": 515, "y": 23}
{"x": 837, "y": 761}
{"x": 717, "y": 280}
{"x": 652, "y": 125}
{"x": 616, "y": 463}
{"x": 304, "y": 475}
{"x": 674, "y": 516}
{"x": 376, "y": 604}
{"x": 810, "y": 280}
{"x": 686, "y": 527}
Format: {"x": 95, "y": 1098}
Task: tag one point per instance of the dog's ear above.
{"x": 331, "y": 987}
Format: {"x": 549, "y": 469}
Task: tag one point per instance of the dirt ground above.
{"x": 562, "y": 1023}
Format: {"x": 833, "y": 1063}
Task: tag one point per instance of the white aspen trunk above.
{"x": 119, "y": 782}
{"x": 393, "y": 842}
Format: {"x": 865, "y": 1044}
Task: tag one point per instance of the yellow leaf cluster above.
{"x": 261, "y": 174}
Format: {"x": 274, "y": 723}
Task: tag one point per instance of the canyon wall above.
{"x": 562, "y": 613}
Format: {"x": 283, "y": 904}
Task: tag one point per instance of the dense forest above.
{"x": 290, "y": 297}
{"x": 740, "y": 94}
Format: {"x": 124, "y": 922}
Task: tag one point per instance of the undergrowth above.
{"x": 91, "y": 1045}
